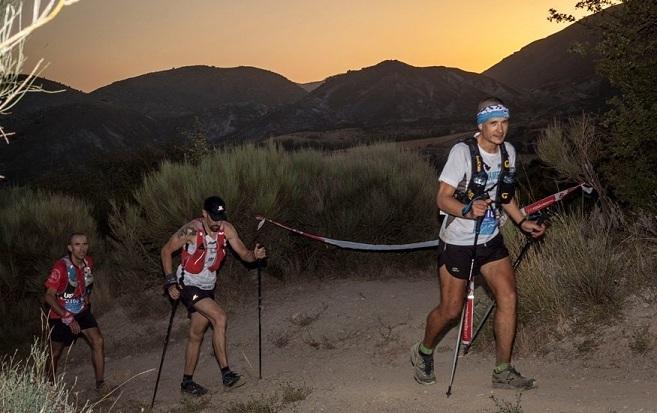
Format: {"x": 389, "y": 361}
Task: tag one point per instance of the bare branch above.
{"x": 14, "y": 85}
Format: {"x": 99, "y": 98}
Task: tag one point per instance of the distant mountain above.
{"x": 547, "y": 61}
{"x": 58, "y": 94}
{"x": 389, "y": 93}
{"x": 193, "y": 89}
{"x": 310, "y": 86}
{"x": 67, "y": 129}
{"x": 220, "y": 101}
{"x": 68, "y": 136}
{"x": 391, "y": 99}
{"x": 557, "y": 76}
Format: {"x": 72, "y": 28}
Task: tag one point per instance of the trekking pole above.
{"x": 164, "y": 350}
{"x": 470, "y": 278}
{"x": 258, "y": 264}
{"x": 259, "y": 267}
{"x": 489, "y": 310}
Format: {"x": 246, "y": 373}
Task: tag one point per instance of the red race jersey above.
{"x": 69, "y": 281}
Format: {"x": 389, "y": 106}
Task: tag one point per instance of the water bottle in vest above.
{"x": 88, "y": 279}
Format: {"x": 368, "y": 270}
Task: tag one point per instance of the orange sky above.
{"x": 95, "y": 42}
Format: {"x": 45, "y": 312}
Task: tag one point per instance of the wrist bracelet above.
{"x": 522, "y": 220}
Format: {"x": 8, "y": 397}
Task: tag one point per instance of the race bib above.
{"x": 489, "y": 223}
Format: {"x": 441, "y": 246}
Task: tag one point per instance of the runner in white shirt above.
{"x": 467, "y": 201}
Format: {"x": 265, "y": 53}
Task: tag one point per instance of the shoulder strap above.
{"x": 505, "y": 181}
{"x": 67, "y": 260}
{"x": 478, "y": 176}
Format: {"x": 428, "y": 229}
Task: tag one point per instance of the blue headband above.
{"x": 492, "y": 111}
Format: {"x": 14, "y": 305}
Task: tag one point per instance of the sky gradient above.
{"x": 96, "y": 42}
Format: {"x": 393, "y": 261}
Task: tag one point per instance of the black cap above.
{"x": 216, "y": 208}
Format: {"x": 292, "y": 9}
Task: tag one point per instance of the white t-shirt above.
{"x": 457, "y": 169}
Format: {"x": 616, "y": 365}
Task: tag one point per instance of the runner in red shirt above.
{"x": 68, "y": 291}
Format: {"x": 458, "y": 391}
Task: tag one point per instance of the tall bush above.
{"x": 379, "y": 194}
{"x": 34, "y": 233}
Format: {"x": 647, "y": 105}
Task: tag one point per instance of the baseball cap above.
{"x": 216, "y": 208}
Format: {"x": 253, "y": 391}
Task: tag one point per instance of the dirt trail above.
{"x": 347, "y": 343}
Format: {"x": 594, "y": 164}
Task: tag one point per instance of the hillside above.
{"x": 388, "y": 101}
{"x": 67, "y": 137}
{"x": 390, "y": 93}
{"x": 192, "y": 89}
{"x": 558, "y": 77}
{"x": 58, "y": 95}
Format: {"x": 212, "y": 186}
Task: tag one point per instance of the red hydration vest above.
{"x": 193, "y": 263}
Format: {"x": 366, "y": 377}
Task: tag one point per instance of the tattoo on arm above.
{"x": 186, "y": 231}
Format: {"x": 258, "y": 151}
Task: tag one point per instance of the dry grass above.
{"x": 641, "y": 244}
{"x": 503, "y": 406}
{"x": 287, "y": 395}
{"x": 641, "y": 341}
{"x": 24, "y": 386}
{"x": 292, "y": 394}
{"x": 577, "y": 272}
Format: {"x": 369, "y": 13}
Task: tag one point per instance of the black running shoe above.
{"x": 194, "y": 388}
{"x": 232, "y": 379}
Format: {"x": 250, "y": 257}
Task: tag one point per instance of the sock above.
{"x": 225, "y": 370}
{"x": 187, "y": 378}
{"x": 501, "y": 367}
{"x": 425, "y": 351}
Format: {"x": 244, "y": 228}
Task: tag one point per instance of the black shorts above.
{"x": 192, "y": 295}
{"x": 457, "y": 258}
{"x": 61, "y": 333}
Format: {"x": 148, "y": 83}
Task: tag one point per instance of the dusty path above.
{"x": 346, "y": 342}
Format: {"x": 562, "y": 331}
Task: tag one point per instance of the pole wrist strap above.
{"x": 170, "y": 279}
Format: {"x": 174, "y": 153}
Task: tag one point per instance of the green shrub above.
{"x": 34, "y": 233}
{"x": 377, "y": 194}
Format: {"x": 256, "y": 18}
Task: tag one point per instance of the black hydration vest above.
{"x": 476, "y": 188}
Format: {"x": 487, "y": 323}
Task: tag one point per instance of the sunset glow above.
{"x": 96, "y": 42}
